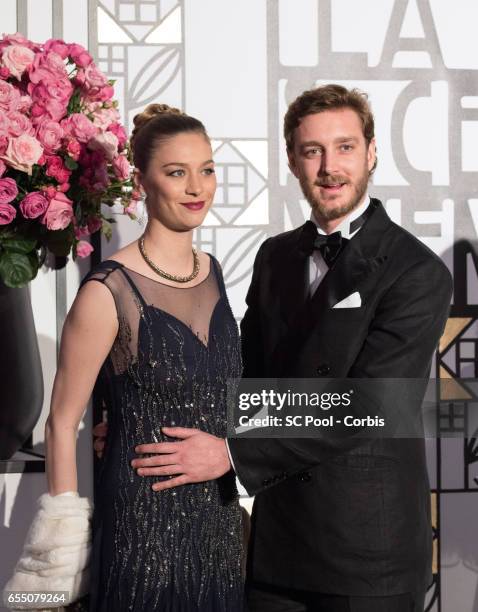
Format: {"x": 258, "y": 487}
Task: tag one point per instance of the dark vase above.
{"x": 21, "y": 387}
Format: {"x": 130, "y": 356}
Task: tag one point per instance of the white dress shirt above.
{"x": 317, "y": 266}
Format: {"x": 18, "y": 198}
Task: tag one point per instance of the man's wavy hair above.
{"x": 324, "y": 98}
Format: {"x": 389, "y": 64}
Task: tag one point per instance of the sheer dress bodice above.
{"x": 176, "y": 348}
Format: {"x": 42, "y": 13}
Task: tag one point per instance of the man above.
{"x": 332, "y": 529}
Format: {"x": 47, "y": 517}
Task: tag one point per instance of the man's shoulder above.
{"x": 282, "y": 241}
{"x": 413, "y": 248}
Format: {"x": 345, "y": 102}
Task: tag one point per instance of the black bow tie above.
{"x": 329, "y": 245}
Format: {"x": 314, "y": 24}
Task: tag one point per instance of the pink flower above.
{"x": 104, "y": 117}
{"x": 17, "y": 39}
{"x": 19, "y": 124}
{"x": 105, "y": 93}
{"x": 33, "y": 205}
{"x": 121, "y": 167}
{"x": 3, "y": 144}
{"x": 57, "y": 46}
{"x": 4, "y": 125}
{"x": 23, "y": 152}
{"x": 4, "y": 72}
{"x": 119, "y": 131}
{"x": 49, "y": 133}
{"x": 9, "y": 97}
{"x": 47, "y": 66}
{"x": 131, "y": 208}
{"x": 94, "y": 77}
{"x": 7, "y": 214}
{"x": 73, "y": 148}
{"x": 3, "y": 168}
{"x": 83, "y": 248}
{"x": 25, "y": 104}
{"x": 56, "y": 169}
{"x": 8, "y": 190}
{"x": 59, "y": 213}
{"x": 80, "y": 55}
{"x": 51, "y": 95}
{"x": 17, "y": 59}
{"x": 64, "y": 187}
{"x": 105, "y": 142}
{"x": 80, "y": 127}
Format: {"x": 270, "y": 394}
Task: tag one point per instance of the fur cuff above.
{"x": 56, "y": 552}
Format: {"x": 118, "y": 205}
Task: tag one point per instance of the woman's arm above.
{"x": 88, "y": 334}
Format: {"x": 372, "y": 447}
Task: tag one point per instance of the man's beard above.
{"x": 323, "y": 211}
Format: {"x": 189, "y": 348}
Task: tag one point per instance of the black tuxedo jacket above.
{"x": 356, "y": 521}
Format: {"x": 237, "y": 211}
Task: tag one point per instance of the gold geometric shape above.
{"x": 453, "y": 328}
{"x": 450, "y": 388}
{"x": 434, "y": 505}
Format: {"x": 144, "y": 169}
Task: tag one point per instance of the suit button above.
{"x": 304, "y": 476}
{"x": 323, "y": 369}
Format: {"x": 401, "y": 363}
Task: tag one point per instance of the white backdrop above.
{"x": 236, "y": 65}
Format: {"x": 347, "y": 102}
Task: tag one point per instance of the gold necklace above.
{"x": 171, "y": 277}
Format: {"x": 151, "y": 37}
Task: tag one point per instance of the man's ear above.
{"x": 292, "y": 163}
{"x": 372, "y": 155}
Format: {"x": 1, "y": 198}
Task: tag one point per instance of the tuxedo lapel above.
{"x": 359, "y": 258}
{"x": 293, "y": 267}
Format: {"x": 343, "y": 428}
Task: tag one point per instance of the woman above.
{"x": 157, "y": 328}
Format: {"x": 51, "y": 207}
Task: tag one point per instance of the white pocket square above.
{"x": 351, "y": 301}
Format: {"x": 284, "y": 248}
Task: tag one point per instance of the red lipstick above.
{"x": 194, "y": 205}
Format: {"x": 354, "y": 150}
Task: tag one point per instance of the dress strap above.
{"x": 216, "y": 267}
{"x": 101, "y": 271}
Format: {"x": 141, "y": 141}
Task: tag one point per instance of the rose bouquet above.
{"x": 63, "y": 153}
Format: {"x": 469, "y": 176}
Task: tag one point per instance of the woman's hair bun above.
{"x": 152, "y": 111}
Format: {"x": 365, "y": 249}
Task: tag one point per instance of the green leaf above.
{"x": 106, "y": 230}
{"x": 70, "y": 163}
{"x": 18, "y": 269}
{"x": 19, "y": 245}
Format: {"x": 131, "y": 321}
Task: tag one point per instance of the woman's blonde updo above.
{"x": 155, "y": 123}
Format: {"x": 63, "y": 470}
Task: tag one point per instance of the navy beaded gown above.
{"x": 178, "y": 550}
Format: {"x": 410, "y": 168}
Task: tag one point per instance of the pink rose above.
{"x": 49, "y": 133}
{"x": 80, "y": 127}
{"x": 25, "y": 104}
{"x": 94, "y": 77}
{"x": 119, "y": 131}
{"x": 3, "y": 168}
{"x": 56, "y": 169}
{"x": 23, "y": 152}
{"x": 131, "y": 208}
{"x": 17, "y": 59}
{"x": 57, "y": 46}
{"x": 4, "y": 125}
{"x": 4, "y": 72}
{"x": 7, "y": 214}
{"x": 121, "y": 167}
{"x": 80, "y": 55}
{"x": 83, "y": 248}
{"x": 8, "y": 190}
{"x": 74, "y": 148}
{"x": 19, "y": 124}
{"x": 33, "y": 205}
{"x": 3, "y": 144}
{"x": 52, "y": 95}
{"x": 9, "y": 97}
{"x": 105, "y": 142}
{"x": 104, "y": 117}
{"x": 105, "y": 93}
{"x": 59, "y": 212}
{"x": 17, "y": 39}
{"x": 47, "y": 66}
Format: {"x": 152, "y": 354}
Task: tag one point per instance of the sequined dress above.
{"x": 178, "y": 550}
